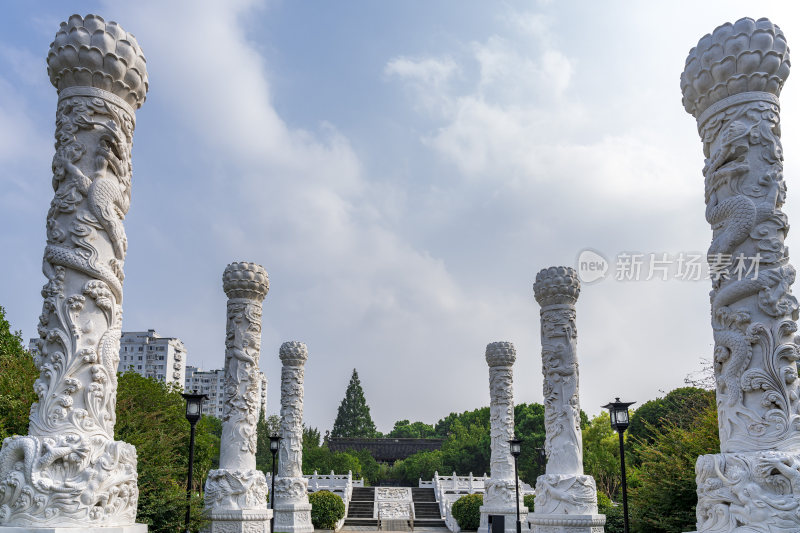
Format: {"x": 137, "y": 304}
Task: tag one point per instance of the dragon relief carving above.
{"x": 563, "y": 443}
{"x": 92, "y": 183}
{"x": 755, "y": 492}
{"x": 292, "y": 509}
{"x": 242, "y": 382}
{"x": 70, "y": 480}
{"x": 291, "y": 446}
{"x": 731, "y": 85}
{"x": 227, "y": 490}
{"x": 755, "y": 350}
{"x": 70, "y": 470}
{"x": 565, "y": 494}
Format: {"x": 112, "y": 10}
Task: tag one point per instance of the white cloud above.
{"x": 345, "y": 277}
{"x": 428, "y": 71}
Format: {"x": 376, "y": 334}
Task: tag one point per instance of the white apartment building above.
{"x": 149, "y": 354}
{"x": 212, "y": 384}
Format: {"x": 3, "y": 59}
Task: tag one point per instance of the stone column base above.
{"x": 133, "y": 528}
{"x": 239, "y": 521}
{"x": 293, "y": 518}
{"x": 566, "y": 523}
{"x": 758, "y": 491}
{"x": 509, "y": 513}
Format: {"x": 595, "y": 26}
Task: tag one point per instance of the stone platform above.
{"x": 135, "y": 528}
{"x": 563, "y": 523}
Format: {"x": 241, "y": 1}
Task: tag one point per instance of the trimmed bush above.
{"x": 326, "y": 509}
{"x": 467, "y": 511}
{"x": 527, "y": 500}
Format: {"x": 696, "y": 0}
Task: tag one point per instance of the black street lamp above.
{"x": 516, "y": 449}
{"x": 194, "y": 404}
{"x": 620, "y": 422}
{"x": 274, "y": 442}
{"x": 541, "y": 459}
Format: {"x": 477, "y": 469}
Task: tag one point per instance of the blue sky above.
{"x": 402, "y": 170}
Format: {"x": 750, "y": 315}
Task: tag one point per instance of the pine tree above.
{"x": 353, "y": 419}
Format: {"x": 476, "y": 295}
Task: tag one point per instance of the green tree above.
{"x": 371, "y": 471}
{"x": 151, "y": 416}
{"x": 353, "y": 418}
{"x": 529, "y": 426}
{"x": 323, "y": 460}
{"x": 403, "y": 429}
{"x": 264, "y": 428}
{"x": 679, "y": 407}
{"x": 480, "y": 416}
{"x": 601, "y": 454}
{"x": 663, "y": 493}
{"x": 421, "y": 465}
{"x": 468, "y": 446}
{"x": 17, "y": 374}
{"x": 311, "y": 437}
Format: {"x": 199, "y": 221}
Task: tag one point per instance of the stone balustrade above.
{"x": 339, "y": 484}
{"x": 448, "y": 489}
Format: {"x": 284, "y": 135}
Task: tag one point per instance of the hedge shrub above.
{"x": 326, "y": 509}
{"x": 467, "y": 511}
{"x": 528, "y": 500}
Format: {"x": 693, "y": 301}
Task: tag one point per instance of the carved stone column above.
{"x": 566, "y": 499}
{"x": 236, "y": 493}
{"x": 292, "y": 510}
{"x": 731, "y": 85}
{"x": 501, "y": 486}
{"x": 70, "y": 471}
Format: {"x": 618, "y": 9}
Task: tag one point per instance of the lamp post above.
{"x": 516, "y": 449}
{"x": 194, "y": 404}
{"x": 541, "y": 459}
{"x": 620, "y": 422}
{"x": 274, "y": 442}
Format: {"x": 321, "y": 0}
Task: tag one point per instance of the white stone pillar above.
{"x": 69, "y": 471}
{"x": 236, "y": 493}
{"x": 731, "y": 85}
{"x": 500, "y": 488}
{"x": 566, "y": 499}
{"x": 292, "y": 509}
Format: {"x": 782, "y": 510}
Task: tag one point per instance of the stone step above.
{"x": 369, "y": 510}
{"x": 429, "y": 523}
{"x": 426, "y": 505}
{"x": 354, "y": 509}
{"x": 366, "y": 522}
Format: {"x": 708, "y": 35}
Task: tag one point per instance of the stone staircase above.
{"x": 362, "y": 507}
{"x": 426, "y": 508}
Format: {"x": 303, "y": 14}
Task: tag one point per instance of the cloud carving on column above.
{"x": 731, "y": 84}
{"x": 70, "y": 471}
